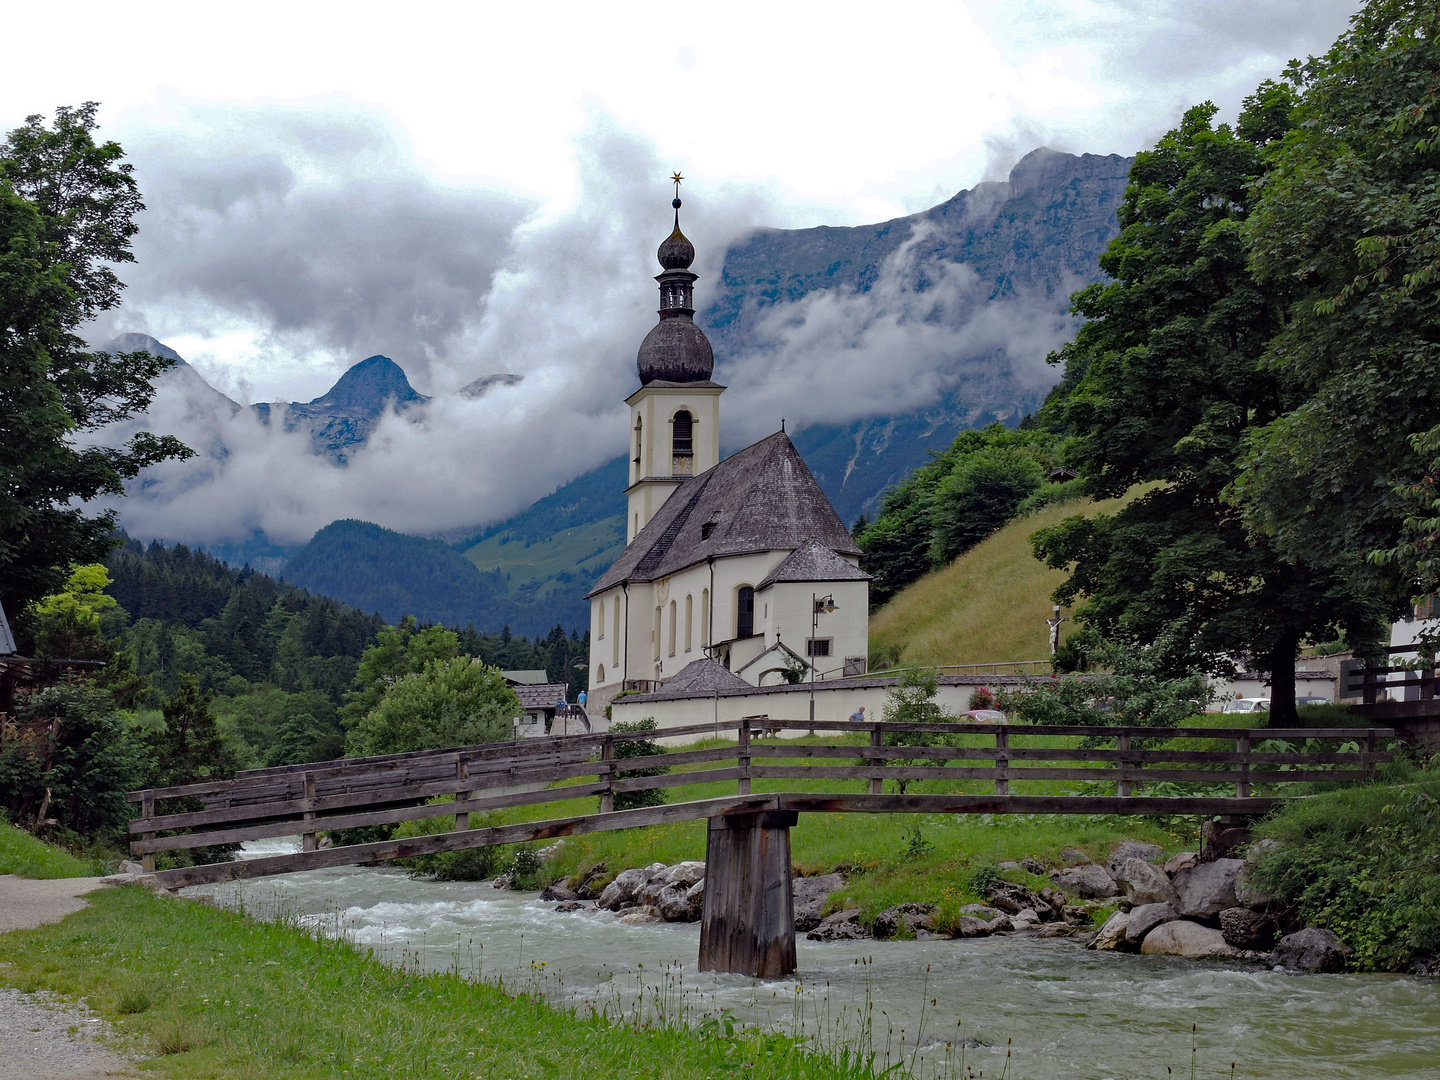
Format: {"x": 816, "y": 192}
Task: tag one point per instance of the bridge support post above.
{"x": 748, "y": 923}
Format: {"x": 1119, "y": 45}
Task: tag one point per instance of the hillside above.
{"x": 988, "y": 606}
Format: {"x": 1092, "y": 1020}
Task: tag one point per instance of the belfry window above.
{"x": 745, "y": 612}
{"x": 683, "y": 437}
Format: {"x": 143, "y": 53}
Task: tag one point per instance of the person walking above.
{"x": 858, "y": 716}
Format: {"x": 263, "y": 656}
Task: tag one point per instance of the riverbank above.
{"x": 217, "y": 994}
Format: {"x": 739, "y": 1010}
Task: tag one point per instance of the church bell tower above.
{"x": 675, "y": 415}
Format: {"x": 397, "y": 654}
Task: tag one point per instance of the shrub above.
{"x": 638, "y": 748}
{"x": 471, "y": 864}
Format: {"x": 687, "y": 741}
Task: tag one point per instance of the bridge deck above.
{"x": 327, "y": 796}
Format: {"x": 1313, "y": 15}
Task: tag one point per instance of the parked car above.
{"x": 985, "y": 716}
{"x": 1311, "y": 701}
{"x": 1246, "y": 705}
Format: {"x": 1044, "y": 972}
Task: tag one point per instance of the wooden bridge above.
{"x": 747, "y": 924}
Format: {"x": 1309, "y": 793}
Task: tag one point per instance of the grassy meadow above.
{"x": 23, "y": 855}
{"x": 988, "y": 606}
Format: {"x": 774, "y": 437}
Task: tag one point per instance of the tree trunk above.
{"x": 1282, "y": 680}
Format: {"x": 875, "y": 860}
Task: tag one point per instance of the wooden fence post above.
{"x": 877, "y": 739}
{"x": 462, "y": 773}
{"x": 1002, "y": 762}
{"x": 743, "y": 757}
{"x": 147, "y": 810}
{"x": 307, "y": 839}
{"x": 1368, "y": 688}
{"x": 1369, "y": 756}
{"x": 1242, "y": 747}
{"x": 607, "y": 771}
{"x": 1122, "y": 744}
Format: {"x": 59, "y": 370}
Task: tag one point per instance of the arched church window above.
{"x": 672, "y": 627}
{"x": 639, "y": 424}
{"x": 682, "y": 436}
{"x": 600, "y": 675}
{"x": 601, "y": 620}
{"x": 689, "y": 620}
{"x": 745, "y": 612}
{"x": 704, "y": 616}
{"x": 615, "y": 642}
{"x": 655, "y": 634}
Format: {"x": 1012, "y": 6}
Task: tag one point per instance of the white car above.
{"x": 1247, "y": 704}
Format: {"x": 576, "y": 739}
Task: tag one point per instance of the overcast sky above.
{"x": 471, "y": 188}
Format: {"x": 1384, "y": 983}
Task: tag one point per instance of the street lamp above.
{"x": 818, "y": 605}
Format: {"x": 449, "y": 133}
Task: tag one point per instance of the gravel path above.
{"x": 36, "y": 1037}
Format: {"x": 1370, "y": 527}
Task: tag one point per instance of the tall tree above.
{"x": 66, "y": 214}
{"x": 1348, "y": 219}
{"x": 1168, "y": 377}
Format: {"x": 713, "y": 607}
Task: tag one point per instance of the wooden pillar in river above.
{"x": 748, "y": 923}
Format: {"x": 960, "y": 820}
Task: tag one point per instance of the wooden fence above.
{"x": 324, "y": 797}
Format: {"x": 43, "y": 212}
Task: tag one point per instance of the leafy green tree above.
{"x": 66, "y": 216}
{"x": 1169, "y": 376}
{"x": 191, "y": 747}
{"x": 1348, "y": 218}
{"x": 67, "y": 624}
{"x": 398, "y": 651}
{"x": 912, "y": 701}
{"x": 949, "y": 504}
{"x": 81, "y": 776}
{"x": 449, "y": 702}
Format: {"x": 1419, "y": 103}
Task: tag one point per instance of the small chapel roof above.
{"x": 699, "y": 678}
{"x": 762, "y": 498}
{"x": 813, "y": 562}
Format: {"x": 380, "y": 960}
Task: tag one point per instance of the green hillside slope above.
{"x": 988, "y": 606}
{"x": 561, "y": 566}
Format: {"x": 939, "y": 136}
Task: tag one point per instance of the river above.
{"x": 1062, "y": 1012}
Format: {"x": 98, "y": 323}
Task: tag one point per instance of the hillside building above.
{"x": 742, "y": 563}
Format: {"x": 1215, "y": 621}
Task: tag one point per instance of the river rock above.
{"x": 1130, "y": 849}
{"x": 809, "y": 895}
{"x": 1144, "y": 883}
{"x": 1145, "y": 918}
{"x": 1027, "y": 919}
{"x": 567, "y": 906}
{"x": 593, "y": 884}
{"x": 1074, "y": 855}
{"x": 1086, "y": 880}
{"x": 1247, "y": 891}
{"x": 625, "y": 888}
{"x": 842, "y": 926}
{"x": 982, "y": 911}
{"x": 970, "y": 926}
{"x": 558, "y": 892}
{"x": 1246, "y": 929}
{"x": 1311, "y": 950}
{"x": 1112, "y": 934}
{"x": 1183, "y": 938}
{"x": 1009, "y": 897}
{"x": 639, "y": 916}
{"x": 1427, "y": 967}
{"x": 1057, "y": 901}
{"x": 130, "y": 866}
{"x": 1184, "y": 861}
{"x": 913, "y": 917}
{"x": 683, "y": 874}
{"x": 1207, "y": 888}
{"x": 676, "y": 906}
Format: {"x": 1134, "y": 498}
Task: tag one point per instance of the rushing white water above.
{"x": 1065, "y": 1012}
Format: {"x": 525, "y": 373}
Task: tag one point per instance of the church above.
{"x": 740, "y": 566}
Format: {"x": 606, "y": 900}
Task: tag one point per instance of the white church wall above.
{"x": 847, "y": 628}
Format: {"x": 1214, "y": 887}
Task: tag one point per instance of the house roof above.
{"x": 7, "y": 639}
{"x": 763, "y": 498}
{"x": 699, "y": 678}
{"x": 529, "y": 676}
{"x": 781, "y": 648}
{"x": 540, "y": 696}
{"x": 813, "y": 561}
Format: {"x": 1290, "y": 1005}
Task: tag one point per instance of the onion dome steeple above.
{"x": 676, "y": 350}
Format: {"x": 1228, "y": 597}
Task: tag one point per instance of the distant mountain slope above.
{"x": 347, "y": 413}
{"x": 375, "y": 569}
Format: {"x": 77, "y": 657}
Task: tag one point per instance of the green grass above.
{"x": 580, "y": 551}
{"x": 988, "y": 606}
{"x": 22, "y": 854}
{"x": 210, "y": 994}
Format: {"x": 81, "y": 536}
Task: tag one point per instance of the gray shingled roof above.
{"x": 813, "y": 562}
{"x": 699, "y": 678}
{"x": 763, "y": 498}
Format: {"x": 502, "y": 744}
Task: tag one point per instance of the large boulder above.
{"x": 683, "y": 874}
{"x": 1145, "y": 918}
{"x": 676, "y": 904}
{"x": 809, "y": 895}
{"x": 970, "y": 926}
{"x": 982, "y": 911}
{"x": 625, "y": 888}
{"x": 842, "y": 926}
{"x": 1183, "y": 861}
{"x": 1087, "y": 880}
{"x": 1112, "y": 934}
{"x": 1312, "y": 950}
{"x": 1144, "y": 883}
{"x": 1247, "y": 929}
{"x": 1126, "y": 850}
{"x": 1247, "y": 890}
{"x": 1182, "y": 938}
{"x": 1427, "y": 967}
{"x": 913, "y": 917}
{"x": 639, "y": 916}
{"x": 558, "y": 892}
{"x": 1009, "y": 897}
{"x": 1207, "y": 888}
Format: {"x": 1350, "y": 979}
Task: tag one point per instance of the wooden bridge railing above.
{"x": 323, "y": 797}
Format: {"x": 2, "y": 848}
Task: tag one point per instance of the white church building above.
{"x": 741, "y": 563}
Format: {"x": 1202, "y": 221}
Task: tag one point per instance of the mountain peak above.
{"x": 127, "y": 343}
{"x": 369, "y": 387}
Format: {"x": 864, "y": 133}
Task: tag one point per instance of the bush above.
{"x": 456, "y": 702}
{"x": 1365, "y": 863}
{"x": 471, "y": 864}
{"x": 633, "y": 800}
